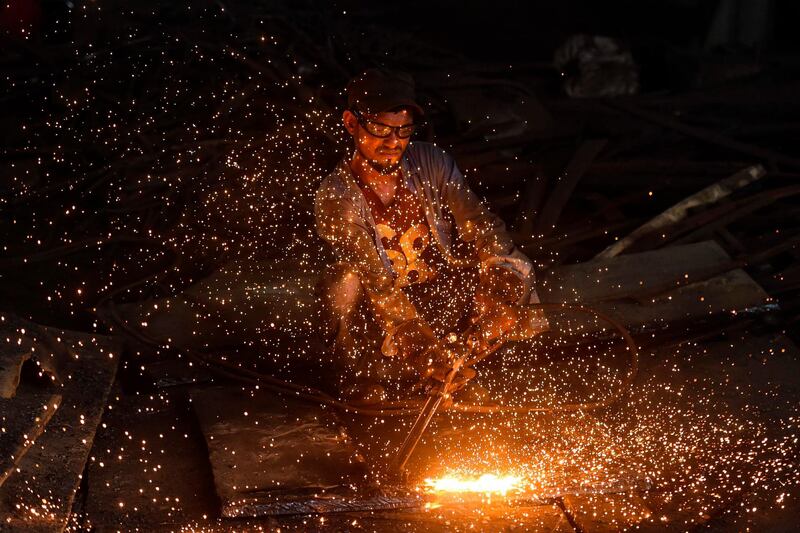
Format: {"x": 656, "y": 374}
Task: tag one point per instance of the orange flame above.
{"x": 487, "y": 483}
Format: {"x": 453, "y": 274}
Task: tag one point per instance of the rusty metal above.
{"x": 395, "y": 497}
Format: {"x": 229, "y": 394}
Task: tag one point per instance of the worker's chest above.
{"x": 403, "y": 229}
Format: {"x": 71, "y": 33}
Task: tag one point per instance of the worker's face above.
{"x": 382, "y": 153}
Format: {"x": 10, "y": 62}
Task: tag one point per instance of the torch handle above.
{"x": 420, "y": 424}
{"x": 471, "y": 341}
{"x": 425, "y": 415}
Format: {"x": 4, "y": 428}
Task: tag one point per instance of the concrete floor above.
{"x": 712, "y": 425}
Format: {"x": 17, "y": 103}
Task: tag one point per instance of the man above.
{"x": 418, "y": 255}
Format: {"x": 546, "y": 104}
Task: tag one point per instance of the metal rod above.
{"x": 420, "y": 424}
{"x": 426, "y": 415}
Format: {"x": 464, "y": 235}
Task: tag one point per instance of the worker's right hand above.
{"x": 439, "y": 374}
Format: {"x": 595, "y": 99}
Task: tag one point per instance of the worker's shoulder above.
{"x": 334, "y": 183}
{"x": 425, "y": 153}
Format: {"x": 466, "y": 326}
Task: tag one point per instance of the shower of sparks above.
{"x": 487, "y": 483}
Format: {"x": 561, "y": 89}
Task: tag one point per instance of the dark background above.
{"x": 136, "y": 125}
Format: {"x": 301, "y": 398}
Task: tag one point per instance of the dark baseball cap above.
{"x": 380, "y": 89}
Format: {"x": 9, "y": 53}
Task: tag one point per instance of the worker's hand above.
{"x": 494, "y": 319}
{"x": 435, "y": 375}
{"x": 530, "y": 322}
{"x": 495, "y": 310}
{"x": 501, "y": 284}
{"x": 461, "y": 378}
{"x": 412, "y": 340}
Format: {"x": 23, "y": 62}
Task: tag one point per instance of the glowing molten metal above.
{"x": 487, "y": 483}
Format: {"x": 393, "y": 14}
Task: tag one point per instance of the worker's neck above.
{"x": 383, "y": 181}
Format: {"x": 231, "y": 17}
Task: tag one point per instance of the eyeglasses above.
{"x": 378, "y": 129}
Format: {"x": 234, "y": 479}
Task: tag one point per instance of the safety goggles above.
{"x": 378, "y": 129}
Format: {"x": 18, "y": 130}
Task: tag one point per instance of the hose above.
{"x": 409, "y": 407}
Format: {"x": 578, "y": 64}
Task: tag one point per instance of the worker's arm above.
{"x": 474, "y": 222}
{"x": 341, "y": 224}
{"x": 507, "y": 276}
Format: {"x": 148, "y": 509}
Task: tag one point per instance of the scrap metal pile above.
{"x": 157, "y": 156}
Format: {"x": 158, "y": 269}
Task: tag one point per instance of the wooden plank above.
{"x": 696, "y": 226}
{"x": 266, "y": 451}
{"x": 150, "y": 457}
{"x": 580, "y": 163}
{"x": 38, "y": 495}
{"x": 494, "y": 515}
{"x": 680, "y": 211}
{"x": 599, "y": 282}
{"x": 22, "y": 420}
{"x": 12, "y": 357}
{"x": 737, "y": 211}
{"x": 25, "y": 341}
{"x": 603, "y": 279}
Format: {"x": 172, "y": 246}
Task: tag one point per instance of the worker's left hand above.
{"x": 494, "y": 318}
{"x": 494, "y": 312}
